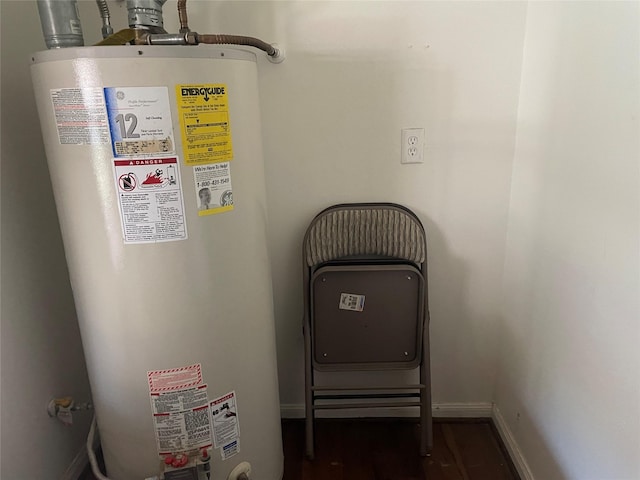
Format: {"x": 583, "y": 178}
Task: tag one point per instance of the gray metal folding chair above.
{"x": 366, "y": 308}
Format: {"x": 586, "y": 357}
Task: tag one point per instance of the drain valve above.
{"x": 242, "y": 471}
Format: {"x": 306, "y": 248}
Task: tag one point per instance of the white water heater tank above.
{"x": 155, "y": 158}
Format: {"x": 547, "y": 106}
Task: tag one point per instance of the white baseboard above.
{"x": 463, "y": 410}
{"x": 509, "y": 441}
{"x": 458, "y": 410}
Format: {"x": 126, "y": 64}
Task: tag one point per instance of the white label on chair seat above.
{"x": 351, "y": 301}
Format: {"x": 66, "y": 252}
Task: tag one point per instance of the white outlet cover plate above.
{"x": 412, "y": 146}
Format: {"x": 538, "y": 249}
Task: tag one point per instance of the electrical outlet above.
{"x": 412, "y": 145}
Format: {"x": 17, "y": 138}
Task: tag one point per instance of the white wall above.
{"x": 41, "y": 351}
{"x": 355, "y": 74}
{"x": 570, "y": 373}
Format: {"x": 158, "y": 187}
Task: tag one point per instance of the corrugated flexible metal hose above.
{"x": 107, "y": 29}
{"x": 222, "y": 39}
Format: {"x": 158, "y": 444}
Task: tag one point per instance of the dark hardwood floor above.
{"x": 387, "y": 449}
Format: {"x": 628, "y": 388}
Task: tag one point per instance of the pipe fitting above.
{"x": 145, "y": 14}
{"x": 107, "y": 29}
{"x": 278, "y": 54}
{"x": 188, "y": 38}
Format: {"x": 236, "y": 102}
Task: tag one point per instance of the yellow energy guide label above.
{"x": 204, "y": 123}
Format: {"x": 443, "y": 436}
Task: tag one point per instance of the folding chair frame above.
{"x": 397, "y": 395}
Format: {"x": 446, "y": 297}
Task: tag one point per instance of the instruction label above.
{"x": 81, "y": 116}
{"x": 351, "y": 301}
{"x": 140, "y": 121}
{"x": 224, "y": 415}
{"x": 214, "y": 193}
{"x": 179, "y": 400}
{"x": 150, "y": 199}
{"x": 173, "y": 379}
{"x": 181, "y": 419}
{"x": 230, "y": 449}
{"x": 204, "y": 123}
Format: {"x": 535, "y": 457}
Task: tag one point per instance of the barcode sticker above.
{"x": 351, "y": 301}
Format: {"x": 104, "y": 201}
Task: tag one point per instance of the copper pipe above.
{"x": 182, "y": 16}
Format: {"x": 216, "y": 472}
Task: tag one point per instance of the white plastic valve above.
{"x": 241, "y": 468}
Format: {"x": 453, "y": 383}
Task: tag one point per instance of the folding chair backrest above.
{"x": 383, "y": 230}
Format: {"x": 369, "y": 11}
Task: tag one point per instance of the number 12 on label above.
{"x": 127, "y": 131}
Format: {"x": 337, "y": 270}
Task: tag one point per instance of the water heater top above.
{"x": 153, "y": 51}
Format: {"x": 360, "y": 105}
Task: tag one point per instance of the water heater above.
{"x": 156, "y": 163}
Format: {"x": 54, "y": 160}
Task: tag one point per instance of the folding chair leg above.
{"x": 308, "y": 392}
{"x": 426, "y": 420}
{"x": 309, "y": 435}
{"x": 426, "y": 424}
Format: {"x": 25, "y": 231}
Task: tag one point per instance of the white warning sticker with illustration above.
{"x": 213, "y": 188}
{"x": 81, "y": 116}
{"x": 150, "y": 200}
{"x": 140, "y": 121}
{"x": 351, "y": 301}
{"x": 224, "y": 416}
{"x": 181, "y": 419}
